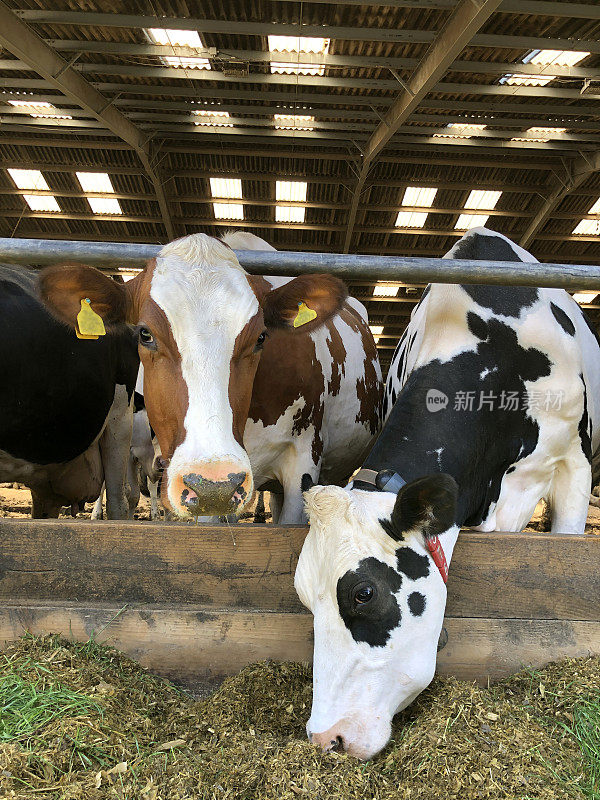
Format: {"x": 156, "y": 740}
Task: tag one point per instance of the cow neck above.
{"x": 393, "y": 483}
{"x": 411, "y": 445}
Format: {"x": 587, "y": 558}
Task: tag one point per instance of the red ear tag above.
{"x": 437, "y": 553}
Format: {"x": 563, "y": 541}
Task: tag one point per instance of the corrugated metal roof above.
{"x": 348, "y": 101}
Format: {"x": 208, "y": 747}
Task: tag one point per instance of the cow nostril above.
{"x": 337, "y": 745}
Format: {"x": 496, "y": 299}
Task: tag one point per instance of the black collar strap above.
{"x": 383, "y": 481}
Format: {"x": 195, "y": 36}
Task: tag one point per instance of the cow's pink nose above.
{"x": 330, "y": 741}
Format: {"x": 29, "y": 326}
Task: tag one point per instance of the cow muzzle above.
{"x": 211, "y": 489}
{"x": 359, "y": 738}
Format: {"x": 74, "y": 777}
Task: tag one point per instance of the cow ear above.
{"x": 304, "y": 303}
{"x": 62, "y": 288}
{"x": 427, "y": 505}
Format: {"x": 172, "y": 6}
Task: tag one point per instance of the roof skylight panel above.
{"x": 467, "y": 221}
{"x": 228, "y": 211}
{"x": 167, "y": 36}
{"x": 591, "y": 227}
{"x": 294, "y": 122}
{"x": 411, "y": 219}
{"x": 383, "y": 289}
{"x": 99, "y": 182}
{"x": 33, "y": 179}
{"x": 41, "y": 202}
{"x": 479, "y": 199}
{"x": 376, "y": 330}
{"x": 230, "y": 188}
{"x": 290, "y": 192}
{"x": 227, "y": 189}
{"x": 544, "y": 58}
{"x": 212, "y": 119}
{"x": 584, "y": 297}
{"x": 419, "y": 197}
{"x": 538, "y": 134}
{"x": 460, "y": 130}
{"x": 301, "y": 46}
{"x": 39, "y": 109}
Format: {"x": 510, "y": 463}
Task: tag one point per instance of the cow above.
{"x": 248, "y": 381}
{"x": 143, "y": 474}
{"x": 373, "y": 567}
{"x": 66, "y": 415}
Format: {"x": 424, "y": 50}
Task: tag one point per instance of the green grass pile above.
{"x": 83, "y": 721}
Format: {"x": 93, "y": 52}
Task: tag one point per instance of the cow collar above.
{"x": 389, "y": 481}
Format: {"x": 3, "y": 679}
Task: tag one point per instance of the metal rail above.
{"x": 40, "y": 252}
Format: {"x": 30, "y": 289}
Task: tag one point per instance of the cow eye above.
{"x": 260, "y": 341}
{"x": 363, "y": 594}
{"x": 146, "y": 337}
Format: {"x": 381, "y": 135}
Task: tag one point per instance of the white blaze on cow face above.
{"x": 207, "y": 300}
{"x": 378, "y": 607}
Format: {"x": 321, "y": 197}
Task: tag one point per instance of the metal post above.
{"x": 40, "y": 252}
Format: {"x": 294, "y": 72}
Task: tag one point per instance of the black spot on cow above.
{"x": 400, "y": 369}
{"x": 590, "y": 325}
{"x": 509, "y": 301}
{"x": 584, "y": 426}
{"x": 563, "y": 319}
{"x": 367, "y": 603}
{"x": 412, "y": 564}
{"x": 477, "y": 325}
{"x": 461, "y": 439}
{"x": 416, "y": 603}
{"x": 56, "y": 390}
{"x": 306, "y": 482}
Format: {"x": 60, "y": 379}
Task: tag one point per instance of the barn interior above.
{"x": 319, "y": 126}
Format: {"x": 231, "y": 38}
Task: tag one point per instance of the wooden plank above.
{"x": 533, "y": 575}
{"x": 186, "y": 643}
{"x": 238, "y": 566}
{"x": 252, "y": 566}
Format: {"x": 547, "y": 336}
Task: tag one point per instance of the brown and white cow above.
{"x": 225, "y": 422}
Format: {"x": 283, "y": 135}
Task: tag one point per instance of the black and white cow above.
{"x": 65, "y": 413}
{"x": 493, "y": 399}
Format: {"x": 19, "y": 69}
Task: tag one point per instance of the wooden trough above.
{"x": 200, "y": 602}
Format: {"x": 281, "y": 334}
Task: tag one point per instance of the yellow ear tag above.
{"x": 89, "y": 324}
{"x": 304, "y": 315}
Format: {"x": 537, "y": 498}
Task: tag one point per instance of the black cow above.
{"x": 65, "y": 403}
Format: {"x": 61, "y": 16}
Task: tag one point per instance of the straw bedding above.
{"x": 83, "y": 721}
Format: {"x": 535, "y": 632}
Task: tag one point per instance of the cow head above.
{"x": 202, "y": 323}
{"x": 378, "y": 602}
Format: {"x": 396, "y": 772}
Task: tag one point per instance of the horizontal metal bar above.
{"x": 362, "y": 33}
{"x": 419, "y": 270}
{"x": 234, "y": 56}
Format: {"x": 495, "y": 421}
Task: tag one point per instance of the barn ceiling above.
{"x": 374, "y": 103}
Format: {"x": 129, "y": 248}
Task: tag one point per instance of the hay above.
{"x": 124, "y": 734}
